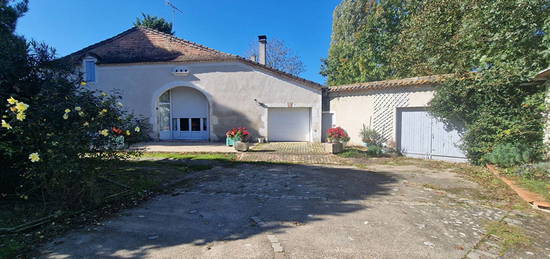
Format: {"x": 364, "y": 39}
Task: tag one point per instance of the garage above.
{"x": 420, "y": 135}
{"x": 289, "y": 124}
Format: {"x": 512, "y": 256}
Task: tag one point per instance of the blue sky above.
{"x": 226, "y": 25}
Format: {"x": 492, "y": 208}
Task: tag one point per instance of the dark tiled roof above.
{"x": 141, "y": 45}
{"x": 395, "y": 83}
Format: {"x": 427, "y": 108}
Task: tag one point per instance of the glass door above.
{"x": 164, "y": 116}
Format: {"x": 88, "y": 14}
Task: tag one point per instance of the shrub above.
{"x": 371, "y": 137}
{"x": 337, "y": 135}
{"x": 375, "y": 151}
{"x": 507, "y": 155}
{"x": 58, "y": 134}
{"x": 538, "y": 171}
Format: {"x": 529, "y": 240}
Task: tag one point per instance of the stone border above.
{"x": 536, "y": 200}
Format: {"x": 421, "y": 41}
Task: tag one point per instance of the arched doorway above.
{"x": 183, "y": 114}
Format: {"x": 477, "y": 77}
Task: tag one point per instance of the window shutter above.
{"x": 90, "y": 71}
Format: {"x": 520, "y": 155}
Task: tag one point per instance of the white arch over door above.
{"x": 189, "y": 104}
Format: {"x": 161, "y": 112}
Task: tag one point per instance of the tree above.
{"x": 364, "y": 34}
{"x": 505, "y": 42}
{"x": 280, "y": 57}
{"x": 154, "y": 22}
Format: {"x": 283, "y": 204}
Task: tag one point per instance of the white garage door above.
{"x": 288, "y": 124}
{"x": 422, "y": 136}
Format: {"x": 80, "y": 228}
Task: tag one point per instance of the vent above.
{"x": 180, "y": 71}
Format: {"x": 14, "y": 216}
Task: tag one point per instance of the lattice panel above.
{"x": 384, "y": 107}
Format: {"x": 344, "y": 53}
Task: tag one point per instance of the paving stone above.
{"x": 290, "y": 152}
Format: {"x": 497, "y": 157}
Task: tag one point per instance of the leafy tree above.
{"x": 154, "y": 22}
{"x": 364, "y": 34}
{"x": 280, "y": 57}
{"x": 505, "y": 42}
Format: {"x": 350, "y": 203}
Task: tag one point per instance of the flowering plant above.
{"x": 337, "y": 135}
{"x": 238, "y": 133}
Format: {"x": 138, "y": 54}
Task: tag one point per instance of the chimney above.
{"x": 262, "y": 40}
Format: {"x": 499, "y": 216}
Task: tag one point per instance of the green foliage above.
{"x": 504, "y": 41}
{"x": 363, "y": 37}
{"x": 371, "y": 151}
{"x": 375, "y": 151}
{"x": 371, "y": 137}
{"x": 506, "y": 155}
{"x": 56, "y": 131}
{"x": 154, "y": 22}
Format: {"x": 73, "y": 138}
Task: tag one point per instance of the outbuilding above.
{"x": 398, "y": 110}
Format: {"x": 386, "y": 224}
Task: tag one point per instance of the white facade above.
{"x": 226, "y": 94}
{"x": 400, "y": 114}
{"x": 375, "y": 108}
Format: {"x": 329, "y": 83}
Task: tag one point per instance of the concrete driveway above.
{"x": 303, "y": 211}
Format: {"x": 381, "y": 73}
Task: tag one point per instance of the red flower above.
{"x": 117, "y": 131}
{"x": 338, "y": 134}
{"x": 240, "y": 132}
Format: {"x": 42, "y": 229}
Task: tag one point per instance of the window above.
{"x": 204, "y": 124}
{"x": 184, "y": 124}
{"x": 174, "y": 124}
{"x": 195, "y": 124}
{"x": 164, "y": 116}
{"x": 165, "y": 97}
{"x": 90, "y": 70}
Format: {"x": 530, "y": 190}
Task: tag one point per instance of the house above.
{"x": 397, "y": 109}
{"x": 192, "y": 92}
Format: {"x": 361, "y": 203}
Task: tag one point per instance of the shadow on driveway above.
{"x": 212, "y": 216}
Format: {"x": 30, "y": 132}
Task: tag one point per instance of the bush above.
{"x": 507, "y": 155}
{"x": 538, "y": 171}
{"x": 375, "y": 151}
{"x": 57, "y": 133}
{"x": 371, "y": 137}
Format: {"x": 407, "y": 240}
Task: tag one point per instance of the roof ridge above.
{"x": 228, "y": 54}
{"x": 194, "y": 44}
{"x": 432, "y": 78}
{"x": 391, "y": 83}
{"x": 222, "y": 55}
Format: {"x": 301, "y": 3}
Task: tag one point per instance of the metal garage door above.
{"x": 422, "y": 136}
{"x": 288, "y": 124}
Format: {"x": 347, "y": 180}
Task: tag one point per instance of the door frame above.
{"x": 398, "y": 126}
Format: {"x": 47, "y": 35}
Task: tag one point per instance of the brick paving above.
{"x": 290, "y": 152}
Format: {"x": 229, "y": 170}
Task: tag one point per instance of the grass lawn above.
{"x": 129, "y": 183}
{"x": 226, "y": 157}
{"x": 539, "y": 186}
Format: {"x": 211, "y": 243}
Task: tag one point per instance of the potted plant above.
{"x": 336, "y": 137}
{"x": 236, "y": 137}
